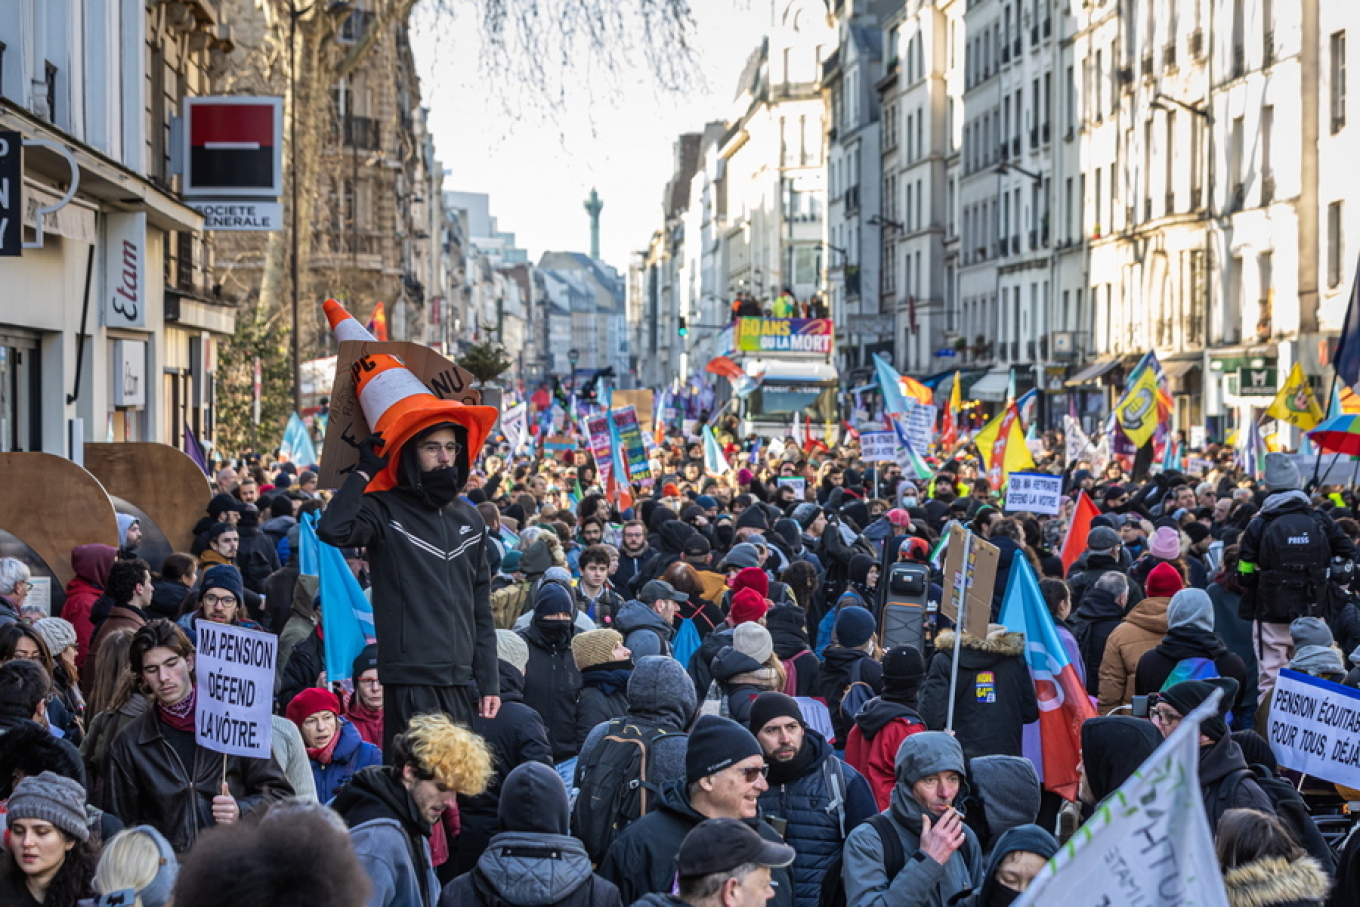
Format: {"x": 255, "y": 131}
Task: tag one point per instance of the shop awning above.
{"x": 1177, "y": 368}
{"x": 991, "y": 387}
{"x": 1092, "y": 371}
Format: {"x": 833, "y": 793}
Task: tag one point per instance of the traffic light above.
{"x": 683, "y": 330}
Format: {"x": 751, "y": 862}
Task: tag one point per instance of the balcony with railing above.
{"x": 359, "y": 133}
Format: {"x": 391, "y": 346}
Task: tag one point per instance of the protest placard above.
{"x": 597, "y": 427}
{"x": 878, "y": 446}
{"x": 1315, "y": 727}
{"x": 1033, "y": 492}
{"x": 634, "y": 450}
{"x": 797, "y": 483}
{"x": 1148, "y": 842}
{"x": 978, "y": 580}
{"x": 919, "y": 427}
{"x": 235, "y": 689}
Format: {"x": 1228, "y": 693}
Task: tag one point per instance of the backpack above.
{"x": 613, "y": 783}
{"x": 894, "y": 859}
{"x": 686, "y": 641}
{"x": 1292, "y": 569}
{"x": 1288, "y": 805}
{"x": 857, "y": 693}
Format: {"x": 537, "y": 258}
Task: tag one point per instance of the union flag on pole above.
{"x": 1063, "y": 703}
{"x": 1078, "y": 530}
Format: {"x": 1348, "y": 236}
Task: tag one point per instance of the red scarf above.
{"x": 367, "y": 722}
{"x": 179, "y": 716}
{"x": 324, "y": 754}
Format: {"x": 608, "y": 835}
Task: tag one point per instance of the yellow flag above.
{"x": 1295, "y": 403}
{"x": 1003, "y": 448}
{"x": 1137, "y": 409}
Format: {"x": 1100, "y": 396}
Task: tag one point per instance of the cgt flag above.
{"x": 1063, "y": 704}
{"x": 1295, "y": 403}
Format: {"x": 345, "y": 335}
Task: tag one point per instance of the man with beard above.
{"x": 634, "y": 554}
{"x": 431, "y": 579}
{"x": 814, "y": 800}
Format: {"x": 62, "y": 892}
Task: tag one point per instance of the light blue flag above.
{"x": 297, "y": 442}
{"x": 309, "y": 559}
{"x": 346, "y": 615}
{"x": 715, "y": 463}
{"x": 890, "y": 386}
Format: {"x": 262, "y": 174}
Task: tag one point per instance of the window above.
{"x": 1335, "y": 244}
{"x": 2, "y": 67}
{"x": 50, "y": 80}
{"x": 1170, "y": 153}
{"x": 1338, "y": 70}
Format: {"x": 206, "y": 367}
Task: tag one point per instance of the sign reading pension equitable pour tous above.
{"x": 784, "y": 335}
{"x": 1315, "y": 727}
{"x": 235, "y": 689}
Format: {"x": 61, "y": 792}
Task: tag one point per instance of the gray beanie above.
{"x": 805, "y": 514}
{"x": 1191, "y": 608}
{"x": 1281, "y": 473}
{"x": 512, "y": 649}
{"x": 57, "y": 633}
{"x": 1102, "y": 538}
{"x": 51, "y": 798}
{"x": 1304, "y": 631}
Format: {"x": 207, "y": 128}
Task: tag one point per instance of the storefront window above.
{"x": 18, "y": 379}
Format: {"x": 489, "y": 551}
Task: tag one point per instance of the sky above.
{"x": 614, "y": 134}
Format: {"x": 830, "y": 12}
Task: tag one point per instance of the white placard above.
{"x": 797, "y": 483}
{"x": 919, "y": 427}
{"x": 129, "y": 373}
{"x": 1315, "y": 727}
{"x": 877, "y": 446}
{"x": 125, "y": 294}
{"x": 235, "y": 689}
{"x": 1033, "y": 492}
{"x": 39, "y": 595}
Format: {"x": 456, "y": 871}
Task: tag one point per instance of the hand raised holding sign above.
{"x": 225, "y": 809}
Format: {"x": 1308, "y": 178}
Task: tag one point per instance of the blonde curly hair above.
{"x": 443, "y": 752}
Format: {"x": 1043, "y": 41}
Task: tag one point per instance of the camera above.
{"x": 1142, "y": 706}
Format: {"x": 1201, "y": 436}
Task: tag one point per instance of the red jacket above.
{"x": 879, "y": 730}
{"x": 91, "y": 564}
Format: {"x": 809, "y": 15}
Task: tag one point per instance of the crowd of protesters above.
{"x": 675, "y": 696}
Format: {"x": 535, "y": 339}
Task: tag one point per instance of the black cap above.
{"x": 657, "y": 589}
{"x": 697, "y": 546}
{"x": 721, "y": 845}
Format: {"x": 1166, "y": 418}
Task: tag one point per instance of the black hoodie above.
{"x": 1112, "y": 748}
{"x": 788, "y": 630}
{"x": 1021, "y": 839}
{"x": 1092, "y": 624}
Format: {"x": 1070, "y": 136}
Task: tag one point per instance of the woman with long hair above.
{"x": 60, "y": 638}
{"x": 19, "y": 640}
{"x": 116, "y": 699}
{"x": 48, "y": 859}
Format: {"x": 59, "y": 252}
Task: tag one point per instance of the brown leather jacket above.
{"x": 148, "y": 782}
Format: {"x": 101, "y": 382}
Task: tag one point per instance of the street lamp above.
{"x": 1004, "y": 168}
{"x": 880, "y": 221}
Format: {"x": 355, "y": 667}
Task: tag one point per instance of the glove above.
{"x": 370, "y": 461}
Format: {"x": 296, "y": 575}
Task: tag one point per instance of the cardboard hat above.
{"x": 344, "y": 325}
{"x": 398, "y": 405}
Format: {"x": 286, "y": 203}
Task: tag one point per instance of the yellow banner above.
{"x": 1296, "y": 403}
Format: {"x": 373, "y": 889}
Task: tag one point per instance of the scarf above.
{"x": 607, "y": 679}
{"x": 1191, "y": 642}
{"x": 795, "y": 768}
{"x": 324, "y": 754}
{"x": 368, "y": 722}
{"x": 179, "y": 716}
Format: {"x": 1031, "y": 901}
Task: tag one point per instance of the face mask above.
{"x": 908, "y": 503}
{"x": 1001, "y": 896}
{"x": 554, "y": 630}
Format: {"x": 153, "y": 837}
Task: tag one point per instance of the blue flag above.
{"x": 297, "y": 442}
{"x": 1348, "y": 347}
{"x": 346, "y": 614}
{"x": 889, "y": 386}
{"x": 195, "y": 450}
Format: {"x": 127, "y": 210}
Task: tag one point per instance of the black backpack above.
{"x": 1292, "y": 564}
{"x": 614, "y": 787}
{"x": 894, "y": 859}
{"x": 1289, "y": 806}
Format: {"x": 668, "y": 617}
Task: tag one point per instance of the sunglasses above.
{"x": 751, "y": 773}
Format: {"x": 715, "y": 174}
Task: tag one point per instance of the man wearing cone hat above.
{"x": 426, "y": 548}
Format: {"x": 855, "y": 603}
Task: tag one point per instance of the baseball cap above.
{"x": 721, "y": 845}
{"x": 696, "y": 545}
{"x": 657, "y": 589}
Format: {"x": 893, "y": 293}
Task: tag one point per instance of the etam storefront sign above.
{"x": 124, "y": 301}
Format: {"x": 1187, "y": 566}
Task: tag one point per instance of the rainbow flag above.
{"x": 1063, "y": 703}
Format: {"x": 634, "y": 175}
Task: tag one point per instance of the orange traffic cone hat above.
{"x": 344, "y": 325}
{"x": 398, "y": 405}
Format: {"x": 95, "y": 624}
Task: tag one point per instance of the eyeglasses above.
{"x": 372, "y": 684}
{"x": 226, "y": 601}
{"x": 751, "y": 773}
{"x": 432, "y": 448}
{"x": 1165, "y": 717}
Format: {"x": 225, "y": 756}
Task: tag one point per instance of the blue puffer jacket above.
{"x": 808, "y": 805}
{"x": 350, "y": 754}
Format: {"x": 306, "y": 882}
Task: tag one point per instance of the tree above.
{"x": 258, "y": 334}
{"x": 486, "y": 360}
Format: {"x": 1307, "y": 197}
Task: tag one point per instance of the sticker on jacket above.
{"x": 985, "y": 687}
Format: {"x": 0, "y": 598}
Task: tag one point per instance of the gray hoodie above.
{"x": 922, "y": 882}
{"x": 644, "y": 631}
{"x": 660, "y": 694}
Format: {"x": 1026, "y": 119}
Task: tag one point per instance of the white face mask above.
{"x": 908, "y": 503}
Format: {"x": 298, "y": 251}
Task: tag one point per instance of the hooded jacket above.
{"x": 515, "y": 736}
{"x": 644, "y": 631}
{"x": 1113, "y": 747}
{"x": 390, "y": 837}
{"x": 351, "y": 754}
{"x": 788, "y": 631}
{"x": 880, "y": 727}
{"x": 669, "y": 540}
{"x": 838, "y": 667}
{"x": 551, "y": 687}
{"x": 1190, "y": 634}
{"x": 604, "y": 696}
{"x": 642, "y": 859}
{"x": 1142, "y": 628}
{"x": 700, "y": 665}
{"x": 1028, "y": 838}
{"x": 922, "y": 881}
{"x": 741, "y": 679}
{"x": 91, "y": 564}
{"x": 1082, "y": 578}
{"x": 1096, "y": 618}
{"x": 1276, "y": 882}
{"x": 995, "y": 696}
{"x": 534, "y": 861}
{"x": 660, "y": 694}
{"x": 820, "y": 811}
{"x": 430, "y": 576}
{"x": 1285, "y": 604}
{"x": 1218, "y": 763}
{"x": 1007, "y": 787}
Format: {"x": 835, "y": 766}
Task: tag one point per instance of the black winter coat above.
{"x": 642, "y": 859}
{"x": 701, "y": 662}
{"x": 431, "y": 578}
{"x": 256, "y": 558}
{"x": 551, "y": 687}
{"x": 304, "y": 668}
{"x": 516, "y": 736}
{"x": 149, "y": 783}
{"x": 604, "y": 697}
{"x": 837, "y": 663}
{"x": 1157, "y": 663}
{"x": 1217, "y": 763}
{"x": 1092, "y": 625}
{"x": 995, "y": 695}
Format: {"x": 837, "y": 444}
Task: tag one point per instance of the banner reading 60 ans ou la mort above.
{"x": 784, "y": 335}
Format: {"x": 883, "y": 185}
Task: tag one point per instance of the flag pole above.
{"x": 961, "y": 586}
{"x": 1317, "y": 462}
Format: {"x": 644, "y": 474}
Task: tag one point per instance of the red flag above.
{"x": 1078, "y": 530}
{"x": 377, "y": 323}
{"x": 724, "y": 367}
